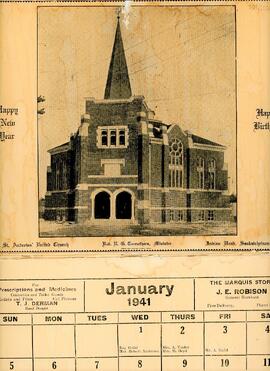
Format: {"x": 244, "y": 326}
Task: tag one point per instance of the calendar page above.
{"x": 134, "y": 127}
{"x": 148, "y": 314}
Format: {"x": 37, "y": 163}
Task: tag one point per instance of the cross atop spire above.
{"x": 118, "y": 12}
{"x": 118, "y": 84}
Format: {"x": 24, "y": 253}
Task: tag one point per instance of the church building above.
{"x": 123, "y": 164}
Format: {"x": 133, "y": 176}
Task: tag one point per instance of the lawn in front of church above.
{"x": 65, "y": 229}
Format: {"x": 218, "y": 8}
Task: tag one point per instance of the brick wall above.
{"x": 114, "y": 114}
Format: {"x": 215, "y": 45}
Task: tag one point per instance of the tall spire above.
{"x": 118, "y": 84}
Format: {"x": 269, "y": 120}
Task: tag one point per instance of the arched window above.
{"x": 200, "y": 171}
{"x": 176, "y": 164}
{"x": 122, "y": 138}
{"x": 113, "y": 137}
{"x": 65, "y": 183}
{"x": 104, "y": 138}
{"x": 212, "y": 174}
{"x": 58, "y": 175}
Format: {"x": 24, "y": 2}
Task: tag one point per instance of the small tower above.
{"x": 118, "y": 84}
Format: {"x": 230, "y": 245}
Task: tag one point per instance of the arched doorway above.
{"x": 123, "y": 205}
{"x": 102, "y": 205}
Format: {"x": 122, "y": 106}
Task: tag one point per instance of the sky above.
{"x": 181, "y": 59}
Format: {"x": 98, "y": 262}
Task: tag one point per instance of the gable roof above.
{"x": 62, "y": 148}
{"x": 200, "y": 140}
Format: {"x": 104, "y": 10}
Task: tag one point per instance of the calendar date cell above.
{"x": 259, "y": 363}
{"x": 96, "y": 340}
{"x": 139, "y": 339}
{"x": 15, "y": 364}
{"x": 182, "y": 363}
{"x": 48, "y": 341}
{"x": 15, "y": 342}
{"x": 234, "y": 363}
{"x": 140, "y": 363}
{"x": 225, "y": 338}
{"x": 57, "y": 364}
{"x": 182, "y": 338}
{"x": 97, "y": 364}
{"x": 258, "y": 334}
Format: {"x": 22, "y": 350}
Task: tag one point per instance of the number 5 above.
{"x": 11, "y": 365}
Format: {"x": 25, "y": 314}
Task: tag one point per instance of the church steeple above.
{"x": 118, "y": 84}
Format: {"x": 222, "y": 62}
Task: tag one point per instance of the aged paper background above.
{"x": 20, "y": 186}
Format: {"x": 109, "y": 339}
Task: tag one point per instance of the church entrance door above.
{"x": 123, "y": 205}
{"x": 102, "y": 206}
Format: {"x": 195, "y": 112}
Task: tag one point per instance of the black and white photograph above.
{"x": 137, "y": 121}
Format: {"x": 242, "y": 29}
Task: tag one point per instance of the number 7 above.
{"x": 97, "y": 363}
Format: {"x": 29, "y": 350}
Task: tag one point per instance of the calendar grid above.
{"x": 32, "y": 343}
{"x": 75, "y": 345}
{"x": 203, "y": 341}
{"x": 118, "y": 358}
{"x": 161, "y": 322}
{"x": 181, "y": 334}
{"x": 246, "y": 341}
{"x": 161, "y": 351}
